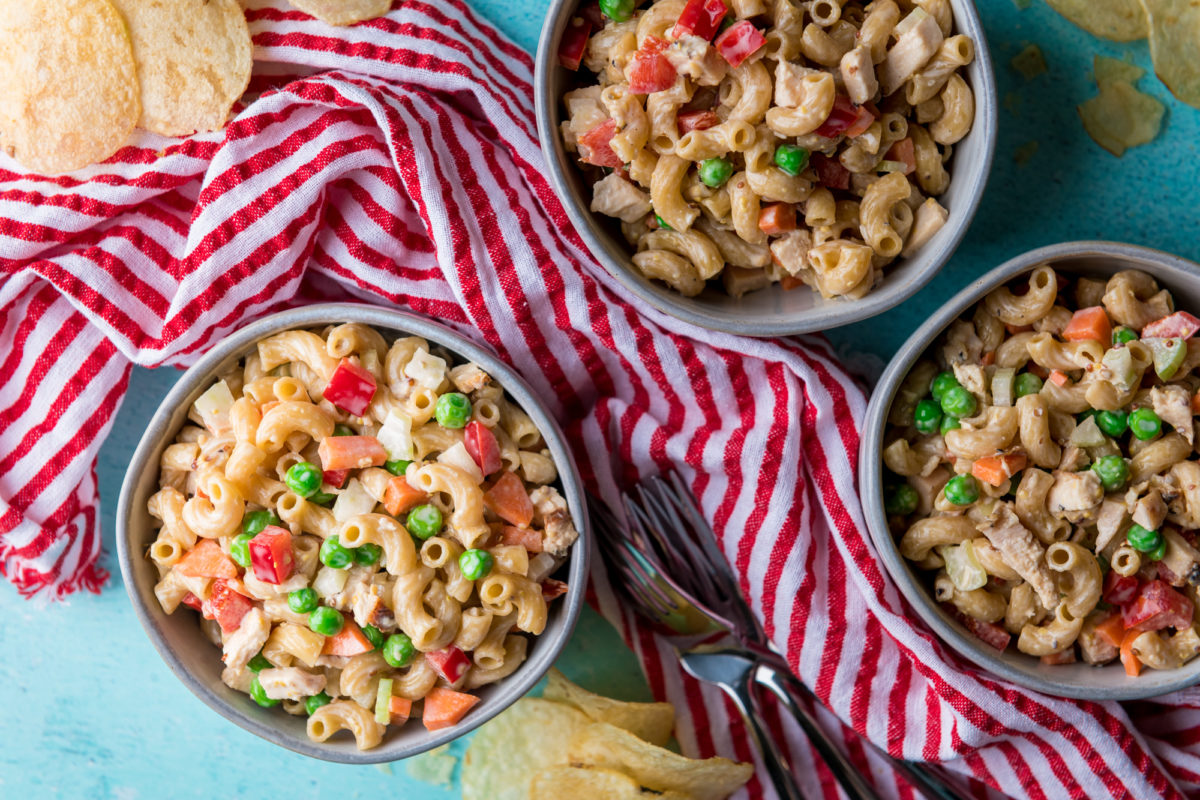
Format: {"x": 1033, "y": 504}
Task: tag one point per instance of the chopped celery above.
{"x": 213, "y": 407}
{"x": 1002, "y": 386}
{"x": 1168, "y": 356}
{"x": 1120, "y": 363}
{"x": 963, "y": 566}
{"x": 352, "y": 501}
{"x": 1087, "y": 434}
{"x": 383, "y": 697}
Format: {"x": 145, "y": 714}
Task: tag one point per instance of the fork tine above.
{"x": 697, "y": 561}
{"x": 681, "y": 497}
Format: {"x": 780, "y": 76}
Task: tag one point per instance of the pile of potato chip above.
{"x": 571, "y": 743}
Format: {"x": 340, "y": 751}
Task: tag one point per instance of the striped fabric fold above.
{"x": 397, "y": 162}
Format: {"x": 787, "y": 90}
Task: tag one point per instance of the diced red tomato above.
{"x": 1112, "y": 630}
{"x": 739, "y": 41}
{"x": 696, "y": 121}
{"x": 399, "y": 497}
{"x": 849, "y": 119}
{"x": 508, "y": 500}
{"x": 351, "y": 452}
{"x": 777, "y": 218}
{"x": 574, "y": 42}
{"x": 449, "y": 662}
{"x": 1065, "y": 657}
{"x": 528, "y": 538}
{"x": 995, "y": 470}
{"x": 335, "y": 477}
{"x": 191, "y": 601}
{"x": 904, "y": 152}
{"x": 700, "y": 18}
{"x": 552, "y": 588}
{"x": 1133, "y": 667}
{"x": 1180, "y": 325}
{"x": 1089, "y": 323}
{"x": 227, "y": 606}
{"x": 649, "y": 70}
{"x": 1059, "y": 378}
{"x": 350, "y": 388}
{"x": 271, "y": 555}
{"x": 349, "y": 641}
{"x": 445, "y": 707}
{"x": 399, "y": 709}
{"x": 594, "y": 147}
{"x": 206, "y": 560}
{"x": 1119, "y": 589}
{"x": 830, "y": 172}
{"x": 1158, "y": 606}
{"x": 482, "y": 446}
{"x": 1168, "y": 575}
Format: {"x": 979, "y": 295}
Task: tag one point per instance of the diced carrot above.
{"x": 206, "y": 560}
{"x": 788, "y": 282}
{"x": 1112, "y": 630}
{"x": 399, "y": 709}
{"x": 349, "y": 641}
{"x": 905, "y": 152}
{"x": 399, "y": 497}
{"x": 1196, "y": 403}
{"x": 1059, "y": 378}
{"x": 351, "y": 452}
{"x": 1065, "y": 657}
{"x": 1089, "y": 323}
{"x": 1133, "y": 667}
{"x": 508, "y": 500}
{"x": 528, "y": 538}
{"x": 1013, "y": 330}
{"x": 777, "y": 218}
{"x": 995, "y": 470}
{"x": 989, "y": 358}
{"x": 445, "y": 707}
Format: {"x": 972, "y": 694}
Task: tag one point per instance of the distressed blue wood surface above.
{"x": 92, "y": 712}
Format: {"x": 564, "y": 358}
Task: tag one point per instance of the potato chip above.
{"x": 344, "y": 12}
{"x": 561, "y": 783}
{"x": 1121, "y": 117}
{"x": 193, "y": 61}
{"x": 609, "y": 747}
{"x": 1175, "y": 46}
{"x": 1118, "y": 20}
{"x": 652, "y": 722}
{"x": 70, "y": 93}
{"x": 506, "y": 752}
{"x": 1108, "y": 70}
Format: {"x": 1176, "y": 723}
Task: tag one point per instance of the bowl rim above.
{"x": 870, "y": 471}
{"x": 505, "y": 692}
{"x": 876, "y": 302}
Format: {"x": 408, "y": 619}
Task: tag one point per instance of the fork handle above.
{"x": 782, "y": 780}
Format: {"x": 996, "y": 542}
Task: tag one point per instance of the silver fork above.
{"x": 669, "y": 558}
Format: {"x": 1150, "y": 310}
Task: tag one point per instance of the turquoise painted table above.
{"x": 93, "y": 713}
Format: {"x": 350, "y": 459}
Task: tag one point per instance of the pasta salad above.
{"x": 366, "y": 529}
{"x": 1043, "y": 470}
{"x": 768, "y": 141}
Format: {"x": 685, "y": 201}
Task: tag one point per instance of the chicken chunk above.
{"x": 244, "y": 643}
{"x": 1150, "y": 511}
{"x": 1173, "y": 406}
{"x": 1111, "y": 520}
{"x": 790, "y": 251}
{"x": 1094, "y": 649}
{"x": 789, "y": 84}
{"x": 910, "y": 52}
{"x": 238, "y": 679}
{"x": 1023, "y": 553}
{"x": 614, "y": 196}
{"x": 290, "y": 683}
{"x": 858, "y": 75}
{"x": 469, "y": 377}
{"x": 559, "y": 531}
{"x": 1075, "y": 496}
{"x": 694, "y": 57}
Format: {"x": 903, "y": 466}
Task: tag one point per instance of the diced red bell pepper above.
{"x": 700, "y": 18}
{"x": 449, "y": 662}
{"x": 445, "y": 707}
{"x": 777, "y": 218}
{"x": 350, "y": 388}
{"x": 846, "y": 118}
{"x": 1156, "y": 607}
{"x": 508, "y": 500}
{"x": 739, "y": 41}
{"x": 227, "y": 606}
{"x": 696, "y": 121}
{"x": 649, "y": 70}
{"x": 1180, "y": 325}
{"x": 271, "y": 555}
{"x": 482, "y": 446}
{"x": 574, "y": 42}
{"x": 528, "y": 538}
{"x": 335, "y": 477}
{"x": 830, "y": 172}
{"x": 552, "y": 588}
{"x": 1065, "y": 657}
{"x": 351, "y": 452}
{"x": 206, "y": 560}
{"x": 905, "y": 153}
{"x": 349, "y": 641}
{"x": 399, "y": 710}
{"x": 595, "y": 147}
{"x": 399, "y": 497}
{"x": 1089, "y": 323}
{"x": 1119, "y": 589}
{"x": 191, "y": 601}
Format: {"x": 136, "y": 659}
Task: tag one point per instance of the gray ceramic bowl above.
{"x": 194, "y": 659}
{"x": 1099, "y": 259}
{"x": 771, "y": 311}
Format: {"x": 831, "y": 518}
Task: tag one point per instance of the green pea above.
{"x": 398, "y": 650}
{"x": 302, "y": 601}
{"x": 260, "y": 694}
{"x": 715, "y": 171}
{"x": 255, "y": 521}
{"x": 424, "y": 521}
{"x": 311, "y": 704}
{"x": 239, "y": 549}
{"x": 475, "y": 564}
{"x": 332, "y": 554}
{"x": 304, "y": 478}
{"x": 1142, "y": 540}
{"x": 367, "y": 554}
{"x": 1157, "y": 553}
{"x": 791, "y": 159}
{"x": 323, "y": 498}
{"x": 662, "y": 223}
{"x": 342, "y": 429}
{"x": 902, "y": 500}
{"x": 259, "y": 663}
{"x": 397, "y": 467}
{"x": 617, "y": 10}
{"x": 1114, "y": 423}
{"x": 326, "y": 621}
{"x": 1113, "y": 472}
{"x": 927, "y": 416}
{"x": 1145, "y": 424}
{"x": 958, "y": 402}
{"x": 1027, "y": 383}
{"x": 949, "y": 423}
{"x": 941, "y": 383}
{"x": 453, "y": 410}
{"x": 962, "y": 490}
{"x": 1123, "y": 335}
{"x": 374, "y": 636}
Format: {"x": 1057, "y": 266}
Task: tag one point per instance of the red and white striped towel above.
{"x": 397, "y": 162}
